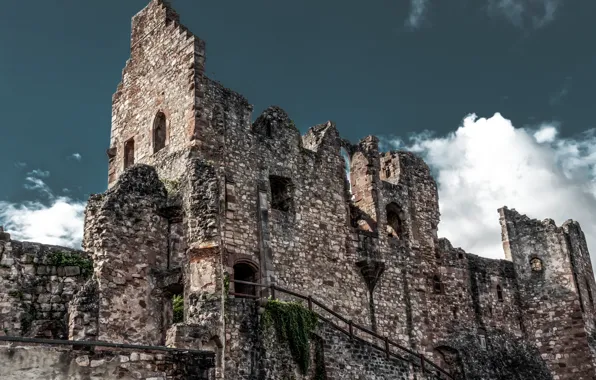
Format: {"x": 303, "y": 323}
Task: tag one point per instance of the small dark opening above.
{"x": 159, "y": 132}
{"x": 129, "y": 153}
{"x": 394, "y": 222}
{"x": 589, "y": 292}
{"x": 281, "y": 193}
{"x": 248, "y": 273}
{"x": 499, "y": 293}
{"x": 536, "y": 265}
{"x": 437, "y": 284}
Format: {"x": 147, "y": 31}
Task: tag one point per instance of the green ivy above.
{"x": 178, "y": 305}
{"x": 293, "y": 324}
{"x": 16, "y": 294}
{"x": 65, "y": 259}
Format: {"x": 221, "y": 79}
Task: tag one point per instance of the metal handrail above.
{"x": 422, "y": 360}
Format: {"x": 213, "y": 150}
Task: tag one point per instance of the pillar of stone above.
{"x": 128, "y": 237}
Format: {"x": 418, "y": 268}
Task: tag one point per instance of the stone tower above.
{"x": 555, "y": 277}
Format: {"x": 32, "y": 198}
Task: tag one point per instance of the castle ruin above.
{"x": 227, "y": 215}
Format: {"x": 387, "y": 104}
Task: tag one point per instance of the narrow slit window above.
{"x": 437, "y": 284}
{"x": 589, "y": 288}
{"x": 499, "y": 293}
{"x": 129, "y": 153}
{"x": 159, "y": 132}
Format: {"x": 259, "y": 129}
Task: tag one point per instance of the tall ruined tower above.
{"x": 556, "y": 280}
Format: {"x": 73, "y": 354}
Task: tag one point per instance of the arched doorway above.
{"x": 247, "y": 272}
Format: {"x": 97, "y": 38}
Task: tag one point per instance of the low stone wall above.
{"x": 35, "y": 362}
{"x": 37, "y": 283}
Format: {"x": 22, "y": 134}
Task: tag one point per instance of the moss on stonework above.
{"x": 293, "y": 324}
{"x": 65, "y": 259}
{"x": 172, "y": 186}
{"x": 178, "y": 305}
{"x": 16, "y": 294}
{"x": 226, "y": 283}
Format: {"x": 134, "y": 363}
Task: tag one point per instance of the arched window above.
{"x": 536, "y": 265}
{"x": 499, "y": 293}
{"x": 437, "y": 284}
{"x": 589, "y": 288}
{"x": 394, "y": 222}
{"x": 129, "y": 153}
{"x": 248, "y": 273}
{"x": 159, "y": 132}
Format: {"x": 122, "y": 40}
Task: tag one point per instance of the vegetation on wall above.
{"x": 178, "y": 305}
{"x": 293, "y": 324}
{"x": 172, "y": 186}
{"x": 66, "y": 259}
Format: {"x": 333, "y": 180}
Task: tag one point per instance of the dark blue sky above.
{"x": 353, "y": 62}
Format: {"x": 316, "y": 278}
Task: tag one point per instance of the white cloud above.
{"x": 487, "y": 163}
{"x": 57, "y": 220}
{"x": 59, "y": 223}
{"x": 76, "y": 156}
{"x": 37, "y": 184}
{"x": 39, "y": 173}
{"x": 546, "y": 134}
{"x": 524, "y": 13}
{"x": 20, "y": 165}
{"x": 418, "y": 9}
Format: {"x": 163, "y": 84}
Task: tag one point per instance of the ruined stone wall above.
{"x": 36, "y": 362}
{"x": 37, "y": 283}
{"x": 552, "y": 314}
{"x": 306, "y": 231}
{"x": 127, "y": 234}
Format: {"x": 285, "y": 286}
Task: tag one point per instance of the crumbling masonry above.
{"x": 200, "y": 197}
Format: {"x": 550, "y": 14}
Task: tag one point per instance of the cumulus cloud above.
{"x": 525, "y": 13}
{"x": 59, "y": 223}
{"x": 53, "y": 220}
{"x": 417, "y": 13}
{"x": 76, "y": 156}
{"x": 487, "y": 163}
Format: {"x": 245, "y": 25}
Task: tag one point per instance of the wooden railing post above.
{"x": 387, "y": 346}
{"x": 310, "y": 303}
{"x": 351, "y": 329}
{"x": 272, "y": 287}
